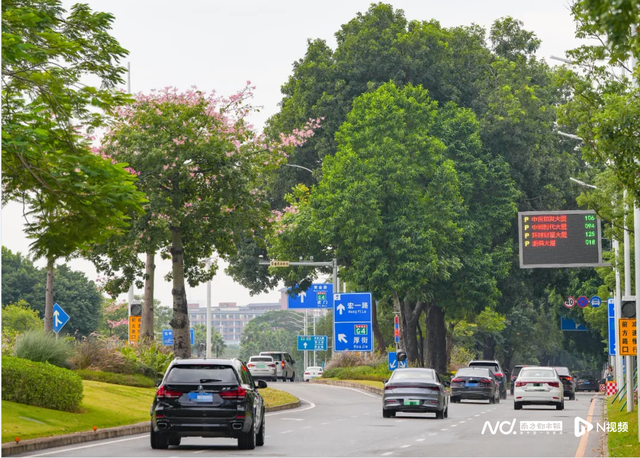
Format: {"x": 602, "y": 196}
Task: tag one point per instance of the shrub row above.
{"x": 117, "y": 379}
{"x": 40, "y": 384}
{"x": 378, "y": 373}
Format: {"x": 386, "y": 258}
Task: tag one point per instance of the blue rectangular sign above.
{"x": 394, "y": 363}
{"x": 567, "y": 324}
{"x": 353, "y": 337}
{"x": 312, "y": 343}
{"x": 612, "y": 336}
{"x": 167, "y": 337}
{"x": 611, "y": 307}
{"x": 318, "y": 296}
{"x": 351, "y": 307}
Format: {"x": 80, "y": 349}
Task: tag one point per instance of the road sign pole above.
{"x": 627, "y": 292}
{"x": 208, "y": 352}
{"x": 314, "y": 333}
{"x": 306, "y": 355}
{"x": 636, "y": 215}
{"x": 617, "y": 304}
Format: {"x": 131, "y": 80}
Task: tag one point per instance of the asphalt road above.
{"x": 336, "y": 421}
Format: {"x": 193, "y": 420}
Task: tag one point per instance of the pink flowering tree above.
{"x": 204, "y": 171}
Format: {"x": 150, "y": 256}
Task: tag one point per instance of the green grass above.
{"x": 273, "y": 397}
{"x": 104, "y": 405}
{"x": 623, "y": 444}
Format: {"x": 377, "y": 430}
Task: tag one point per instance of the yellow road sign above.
{"x": 279, "y": 264}
{"x": 134, "y": 328}
{"x": 628, "y": 337}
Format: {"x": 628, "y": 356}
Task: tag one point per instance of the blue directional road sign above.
{"x": 394, "y": 363}
{"x": 595, "y": 301}
{"x": 611, "y": 309}
{"x": 352, "y": 330}
{"x": 567, "y": 324}
{"x": 318, "y": 296}
{"x": 312, "y": 343}
{"x": 60, "y": 318}
{"x": 167, "y": 337}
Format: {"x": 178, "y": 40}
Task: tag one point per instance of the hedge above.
{"x": 117, "y": 379}
{"x": 40, "y": 384}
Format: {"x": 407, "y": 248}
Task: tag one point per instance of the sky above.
{"x": 220, "y": 45}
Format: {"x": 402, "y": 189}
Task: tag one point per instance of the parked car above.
{"x": 587, "y": 384}
{"x": 208, "y": 398}
{"x": 475, "y": 383}
{"x": 514, "y": 375}
{"x": 312, "y": 372}
{"x": 415, "y": 390}
{"x": 497, "y": 371}
{"x": 538, "y": 385}
{"x": 567, "y": 382}
{"x": 284, "y": 365}
{"x": 262, "y": 367}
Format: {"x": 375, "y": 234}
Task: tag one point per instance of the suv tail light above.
{"x": 282, "y": 362}
{"x": 498, "y": 374}
{"x": 566, "y": 377}
{"x": 238, "y": 393}
{"x": 457, "y": 380}
{"x": 164, "y": 393}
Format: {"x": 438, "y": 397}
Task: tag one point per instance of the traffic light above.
{"x": 401, "y": 355}
{"x": 135, "y": 308}
{"x": 628, "y": 309}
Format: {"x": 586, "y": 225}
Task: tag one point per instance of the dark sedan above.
{"x": 588, "y": 384}
{"x": 567, "y": 382}
{"x": 415, "y": 390}
{"x": 475, "y": 383}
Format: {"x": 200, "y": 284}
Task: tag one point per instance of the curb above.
{"x": 368, "y": 388}
{"x": 32, "y": 445}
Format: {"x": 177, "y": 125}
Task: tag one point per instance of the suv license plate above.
{"x": 201, "y": 397}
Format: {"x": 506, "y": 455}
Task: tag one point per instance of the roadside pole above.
{"x": 617, "y": 308}
{"x": 306, "y": 353}
{"x": 627, "y": 292}
{"x": 208, "y": 352}
{"x": 314, "y": 333}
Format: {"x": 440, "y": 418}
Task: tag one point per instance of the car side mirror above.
{"x": 385, "y": 381}
{"x": 447, "y": 383}
{"x": 158, "y": 382}
{"x": 262, "y": 384}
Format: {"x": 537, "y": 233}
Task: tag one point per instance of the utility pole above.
{"x": 627, "y": 293}
{"x": 208, "y": 352}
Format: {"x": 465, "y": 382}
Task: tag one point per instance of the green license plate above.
{"x": 411, "y": 402}
{"x": 261, "y": 366}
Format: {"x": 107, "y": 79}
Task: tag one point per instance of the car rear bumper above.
{"x": 393, "y": 404}
{"x": 263, "y": 375}
{"x": 471, "y": 393}
{"x": 537, "y": 398}
{"x": 199, "y": 427}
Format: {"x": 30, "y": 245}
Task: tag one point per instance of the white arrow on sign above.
{"x": 393, "y": 363}
{"x": 340, "y": 308}
{"x": 342, "y": 338}
{"x": 55, "y": 317}
{"x": 303, "y": 294}
{"x": 304, "y": 345}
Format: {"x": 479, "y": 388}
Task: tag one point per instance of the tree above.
{"x": 200, "y": 341}
{"x": 19, "y": 317}
{"x": 77, "y": 295}
{"x": 202, "y": 169}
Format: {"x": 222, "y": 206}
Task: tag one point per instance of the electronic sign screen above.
{"x": 559, "y": 239}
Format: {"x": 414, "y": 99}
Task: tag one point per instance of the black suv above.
{"x": 567, "y": 382}
{"x": 514, "y": 375}
{"x": 208, "y": 398}
{"x": 499, "y": 374}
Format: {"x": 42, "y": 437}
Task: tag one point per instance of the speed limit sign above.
{"x": 570, "y": 302}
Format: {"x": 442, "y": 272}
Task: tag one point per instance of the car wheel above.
{"x": 159, "y": 440}
{"x": 492, "y": 400}
{"x": 260, "y": 437}
{"x": 573, "y": 397}
{"x": 497, "y": 400}
{"x": 440, "y": 414}
{"x": 387, "y": 413}
{"x": 455, "y": 399}
{"x": 517, "y": 405}
{"x": 560, "y": 406}
{"x": 503, "y": 396}
{"x": 293, "y": 377}
{"x": 174, "y": 440}
{"x": 247, "y": 441}
{"x": 446, "y": 412}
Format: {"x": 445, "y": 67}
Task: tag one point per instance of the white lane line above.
{"x": 463, "y": 421}
{"x": 477, "y": 415}
{"x": 444, "y": 429}
{"x": 420, "y": 440}
{"x": 387, "y": 454}
{"x": 406, "y": 446}
{"x": 368, "y": 413}
{"x": 470, "y": 418}
{"x": 453, "y": 426}
{"x": 433, "y": 434}
{"x": 325, "y": 423}
{"x": 202, "y": 451}
{"x": 342, "y": 419}
{"x": 292, "y": 419}
{"x": 287, "y": 431}
{"x": 142, "y": 436}
{"x": 306, "y": 427}
{"x": 355, "y": 416}
{"x": 284, "y": 412}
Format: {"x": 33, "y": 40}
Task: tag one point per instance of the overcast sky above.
{"x": 220, "y": 45}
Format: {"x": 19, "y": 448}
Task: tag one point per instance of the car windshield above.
{"x": 477, "y": 372}
{"x": 261, "y": 359}
{"x": 415, "y": 374}
{"x": 197, "y": 373}
{"x": 537, "y": 373}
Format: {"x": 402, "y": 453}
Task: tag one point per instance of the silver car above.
{"x": 415, "y": 390}
{"x": 262, "y": 368}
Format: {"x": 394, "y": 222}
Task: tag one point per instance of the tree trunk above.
{"x": 421, "y": 346}
{"x": 382, "y": 346}
{"x": 180, "y": 321}
{"x": 146, "y": 328}
{"x": 488, "y": 351}
{"x": 449, "y": 338}
{"x": 436, "y": 338}
{"x": 48, "y": 300}
{"x": 409, "y": 317}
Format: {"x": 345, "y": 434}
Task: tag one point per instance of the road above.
{"x": 337, "y": 421}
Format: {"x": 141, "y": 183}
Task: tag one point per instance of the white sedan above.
{"x": 538, "y": 385}
{"x": 312, "y": 372}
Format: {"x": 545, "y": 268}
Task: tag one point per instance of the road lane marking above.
{"x": 477, "y": 415}
{"x": 406, "y": 446}
{"x": 444, "y": 429}
{"x": 142, "y": 436}
{"x": 311, "y": 406}
{"x": 432, "y": 434}
{"x": 400, "y": 421}
{"x": 355, "y": 416}
{"x": 325, "y": 423}
{"x": 453, "y": 426}
{"x": 582, "y": 447}
{"x": 287, "y": 431}
{"x": 387, "y": 454}
{"x": 202, "y": 451}
{"x": 463, "y": 421}
{"x": 421, "y": 439}
{"x": 342, "y": 419}
{"x": 470, "y": 418}
{"x": 368, "y": 413}
{"x": 292, "y": 419}
{"x": 306, "y": 427}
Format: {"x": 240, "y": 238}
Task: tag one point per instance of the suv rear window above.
{"x": 516, "y": 371}
{"x": 564, "y": 371}
{"x": 196, "y": 373}
{"x": 477, "y": 372}
{"x": 276, "y": 356}
{"x": 493, "y": 366}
